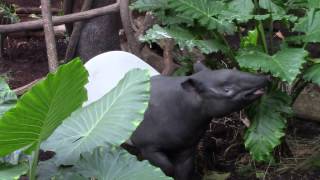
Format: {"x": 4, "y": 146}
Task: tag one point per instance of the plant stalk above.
{"x": 260, "y": 28}
{"x": 297, "y": 89}
{"x": 263, "y": 36}
{"x": 35, "y": 158}
{"x": 229, "y": 52}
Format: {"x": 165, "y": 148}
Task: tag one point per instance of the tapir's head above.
{"x": 224, "y": 91}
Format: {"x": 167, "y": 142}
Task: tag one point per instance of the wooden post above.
{"x": 49, "y": 35}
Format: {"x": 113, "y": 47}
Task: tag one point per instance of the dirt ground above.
{"x": 33, "y": 3}
{"x": 25, "y": 60}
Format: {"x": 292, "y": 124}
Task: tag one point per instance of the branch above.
{"x": 58, "y": 20}
{"x": 21, "y": 90}
{"x": 67, "y": 9}
{"x": 133, "y": 43}
{"x": 76, "y": 32}
{"x": 33, "y": 10}
{"x": 49, "y": 35}
{"x": 169, "y": 66}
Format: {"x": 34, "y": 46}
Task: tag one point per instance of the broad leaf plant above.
{"x": 208, "y": 25}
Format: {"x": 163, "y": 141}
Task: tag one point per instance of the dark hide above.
{"x": 180, "y": 110}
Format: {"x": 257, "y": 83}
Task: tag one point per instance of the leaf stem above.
{"x": 262, "y": 36}
{"x": 229, "y": 52}
{"x": 260, "y": 27}
{"x": 35, "y": 158}
{"x": 271, "y": 28}
{"x": 297, "y": 89}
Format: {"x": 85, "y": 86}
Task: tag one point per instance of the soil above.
{"x": 33, "y": 3}
{"x": 25, "y": 59}
{"x": 222, "y": 151}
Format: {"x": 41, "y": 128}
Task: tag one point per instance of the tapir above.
{"x": 179, "y": 111}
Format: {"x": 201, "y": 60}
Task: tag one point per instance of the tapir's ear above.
{"x": 198, "y": 66}
{"x": 193, "y": 85}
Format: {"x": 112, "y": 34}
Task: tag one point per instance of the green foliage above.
{"x": 313, "y": 74}
{"x": 278, "y": 64}
{"x": 8, "y": 14}
{"x": 183, "y": 37}
{"x": 43, "y": 108}
{"x": 205, "y": 12}
{"x": 251, "y": 40}
{"x": 314, "y": 4}
{"x": 7, "y": 97}
{"x": 310, "y": 25}
{"x": 186, "y": 67}
{"x": 9, "y": 172}
{"x": 268, "y": 118}
{"x": 111, "y": 119}
{"x": 149, "y": 5}
{"x": 116, "y": 164}
{"x": 214, "y": 21}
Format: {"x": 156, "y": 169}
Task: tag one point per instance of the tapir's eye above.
{"x": 228, "y": 90}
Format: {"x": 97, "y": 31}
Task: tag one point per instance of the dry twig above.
{"x": 169, "y": 65}
{"x": 133, "y": 44}
{"x": 76, "y": 32}
{"x": 21, "y": 90}
{"x": 37, "y": 24}
{"x": 49, "y": 35}
{"x": 67, "y": 9}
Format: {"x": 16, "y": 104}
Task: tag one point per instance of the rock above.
{"x": 307, "y": 105}
{"x": 99, "y": 34}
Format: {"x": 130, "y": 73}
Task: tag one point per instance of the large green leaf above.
{"x": 108, "y": 120}
{"x": 205, "y": 12}
{"x": 7, "y": 97}
{"x": 268, "y": 124}
{"x": 314, "y": 4}
{"x": 184, "y": 38}
{"x": 39, "y": 111}
{"x": 276, "y": 11}
{"x": 12, "y": 172}
{"x": 244, "y": 7}
{"x": 116, "y": 164}
{"x": 313, "y": 74}
{"x": 149, "y": 5}
{"x": 49, "y": 170}
{"x": 285, "y": 64}
{"x": 310, "y": 25}
{"x": 272, "y": 7}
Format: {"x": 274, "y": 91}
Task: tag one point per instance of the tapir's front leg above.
{"x": 185, "y": 168}
{"x": 159, "y": 159}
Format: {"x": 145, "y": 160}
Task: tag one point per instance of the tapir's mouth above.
{"x": 255, "y": 93}
{"x": 259, "y": 92}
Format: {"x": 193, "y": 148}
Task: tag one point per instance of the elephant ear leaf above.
{"x": 110, "y": 120}
{"x": 7, "y": 97}
{"x": 42, "y": 109}
{"x": 116, "y": 164}
{"x": 9, "y": 172}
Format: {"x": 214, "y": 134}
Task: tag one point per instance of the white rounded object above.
{"x": 107, "y": 69}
